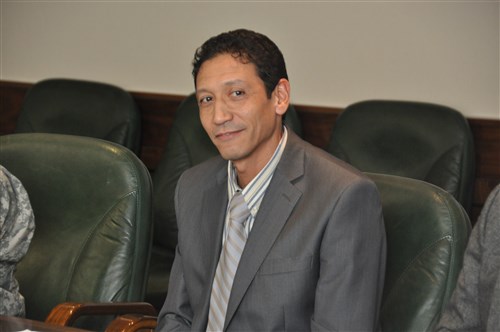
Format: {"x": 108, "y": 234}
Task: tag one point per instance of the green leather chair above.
{"x": 92, "y": 202}
{"x": 418, "y": 140}
{"x": 188, "y": 145}
{"x": 82, "y": 108}
{"x": 427, "y": 232}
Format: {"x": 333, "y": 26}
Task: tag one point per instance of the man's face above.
{"x": 235, "y": 111}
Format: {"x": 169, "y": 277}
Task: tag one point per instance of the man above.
{"x": 17, "y": 225}
{"x": 475, "y": 302}
{"x": 310, "y": 253}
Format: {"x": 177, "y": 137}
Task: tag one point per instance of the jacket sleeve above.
{"x": 176, "y": 314}
{"x": 352, "y": 263}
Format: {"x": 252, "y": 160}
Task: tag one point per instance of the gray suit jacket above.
{"x": 475, "y": 302}
{"x": 314, "y": 260}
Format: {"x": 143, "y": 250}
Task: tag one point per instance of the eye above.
{"x": 237, "y": 93}
{"x": 204, "y": 100}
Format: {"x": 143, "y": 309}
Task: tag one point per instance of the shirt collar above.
{"x": 254, "y": 190}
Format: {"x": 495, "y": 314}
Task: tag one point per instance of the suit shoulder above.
{"x": 203, "y": 172}
{"x": 326, "y": 165}
{"x": 318, "y": 173}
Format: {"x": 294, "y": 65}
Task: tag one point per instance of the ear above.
{"x": 282, "y": 96}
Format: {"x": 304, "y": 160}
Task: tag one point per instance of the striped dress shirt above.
{"x": 255, "y": 190}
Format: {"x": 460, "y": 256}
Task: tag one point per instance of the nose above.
{"x": 221, "y": 114}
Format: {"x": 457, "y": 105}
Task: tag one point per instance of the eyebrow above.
{"x": 228, "y": 83}
{"x": 233, "y": 82}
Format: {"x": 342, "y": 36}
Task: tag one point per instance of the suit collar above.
{"x": 291, "y": 164}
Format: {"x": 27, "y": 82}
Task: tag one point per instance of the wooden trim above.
{"x": 157, "y": 114}
{"x": 486, "y": 134}
{"x": 11, "y": 97}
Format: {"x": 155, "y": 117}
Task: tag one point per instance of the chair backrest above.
{"x": 188, "y": 144}
{"x": 83, "y": 108}
{"x": 427, "y": 232}
{"x": 92, "y": 205}
{"x": 418, "y": 140}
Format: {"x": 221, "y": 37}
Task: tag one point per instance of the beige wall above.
{"x": 338, "y": 52}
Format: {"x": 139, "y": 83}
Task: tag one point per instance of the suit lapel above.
{"x": 277, "y": 205}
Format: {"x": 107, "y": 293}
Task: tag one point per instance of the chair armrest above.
{"x": 132, "y": 323}
{"x": 65, "y": 314}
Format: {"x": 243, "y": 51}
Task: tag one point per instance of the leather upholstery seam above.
{"x": 91, "y": 235}
{"x": 423, "y": 251}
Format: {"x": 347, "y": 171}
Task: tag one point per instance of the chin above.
{"x": 231, "y": 155}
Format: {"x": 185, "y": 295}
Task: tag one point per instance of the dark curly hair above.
{"x": 249, "y": 47}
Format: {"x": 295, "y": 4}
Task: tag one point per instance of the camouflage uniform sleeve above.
{"x": 17, "y": 226}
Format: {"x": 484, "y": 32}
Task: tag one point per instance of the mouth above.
{"x": 227, "y": 135}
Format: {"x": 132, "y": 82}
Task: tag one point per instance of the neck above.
{"x": 247, "y": 170}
